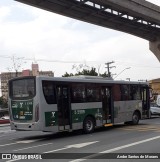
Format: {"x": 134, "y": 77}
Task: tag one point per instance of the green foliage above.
{"x": 91, "y": 72}
{"x": 67, "y": 75}
{"x": 104, "y": 75}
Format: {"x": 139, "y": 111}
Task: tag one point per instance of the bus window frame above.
{"x": 21, "y": 98}
{"x": 54, "y": 92}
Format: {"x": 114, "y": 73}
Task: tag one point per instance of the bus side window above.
{"x": 49, "y": 92}
{"x": 93, "y": 93}
{"x": 78, "y": 93}
{"x": 135, "y": 92}
{"x": 125, "y": 94}
{"x": 116, "y": 92}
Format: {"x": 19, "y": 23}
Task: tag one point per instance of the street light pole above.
{"x": 122, "y": 72}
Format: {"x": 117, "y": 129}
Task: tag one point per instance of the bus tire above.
{"x": 88, "y": 125}
{"x": 135, "y": 118}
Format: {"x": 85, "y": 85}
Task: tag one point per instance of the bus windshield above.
{"x": 22, "y": 88}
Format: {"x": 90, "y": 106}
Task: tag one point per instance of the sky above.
{"x": 62, "y": 44}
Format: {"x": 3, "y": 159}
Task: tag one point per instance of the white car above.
{"x": 4, "y": 117}
{"x": 154, "y": 109}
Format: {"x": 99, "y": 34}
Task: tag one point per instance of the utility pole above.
{"x": 109, "y": 67}
{"x": 16, "y": 64}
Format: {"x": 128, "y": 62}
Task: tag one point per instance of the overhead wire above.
{"x": 62, "y": 61}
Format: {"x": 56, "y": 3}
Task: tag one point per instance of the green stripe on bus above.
{"x": 51, "y": 118}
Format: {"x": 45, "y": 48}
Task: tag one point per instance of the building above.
{"x": 6, "y": 76}
{"x": 26, "y": 73}
{"x": 155, "y": 85}
{"x": 35, "y": 69}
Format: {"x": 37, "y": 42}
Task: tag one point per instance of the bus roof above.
{"x": 84, "y": 79}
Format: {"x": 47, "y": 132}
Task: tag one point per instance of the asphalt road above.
{"x": 118, "y": 143}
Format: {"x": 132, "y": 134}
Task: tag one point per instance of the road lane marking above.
{"x": 132, "y": 144}
{"x": 116, "y": 149}
{"x": 25, "y": 148}
{"x": 8, "y": 144}
{"x": 26, "y": 141}
{"x": 80, "y": 145}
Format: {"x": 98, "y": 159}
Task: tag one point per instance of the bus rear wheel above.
{"x": 88, "y": 125}
{"x": 135, "y": 118}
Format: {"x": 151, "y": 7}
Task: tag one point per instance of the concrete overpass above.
{"x": 136, "y": 17}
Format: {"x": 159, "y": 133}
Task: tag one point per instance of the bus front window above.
{"x": 23, "y": 88}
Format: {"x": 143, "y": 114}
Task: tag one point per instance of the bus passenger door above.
{"x": 145, "y": 102}
{"x": 64, "y": 106}
{"x": 107, "y": 105}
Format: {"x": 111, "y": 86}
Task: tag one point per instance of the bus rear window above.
{"x": 22, "y": 88}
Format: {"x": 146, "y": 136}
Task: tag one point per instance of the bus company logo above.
{"x": 53, "y": 114}
{"x": 6, "y": 156}
{"x": 21, "y": 104}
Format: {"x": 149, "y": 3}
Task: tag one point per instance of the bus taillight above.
{"x": 37, "y": 113}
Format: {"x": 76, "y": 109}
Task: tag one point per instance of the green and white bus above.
{"x": 66, "y": 104}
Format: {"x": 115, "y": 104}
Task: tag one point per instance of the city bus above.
{"x": 57, "y": 104}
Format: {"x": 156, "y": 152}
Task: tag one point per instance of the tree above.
{"x": 91, "y": 72}
{"x": 104, "y": 75}
{"x": 67, "y": 75}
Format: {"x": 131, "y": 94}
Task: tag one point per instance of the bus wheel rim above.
{"x": 135, "y": 118}
{"x": 89, "y": 125}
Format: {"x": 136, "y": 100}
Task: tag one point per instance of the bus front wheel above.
{"x": 135, "y": 118}
{"x": 88, "y": 125}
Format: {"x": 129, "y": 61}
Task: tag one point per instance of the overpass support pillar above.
{"x": 155, "y": 48}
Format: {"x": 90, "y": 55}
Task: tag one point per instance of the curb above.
{"x": 4, "y": 125}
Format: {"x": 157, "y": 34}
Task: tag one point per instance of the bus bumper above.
{"x": 26, "y": 126}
